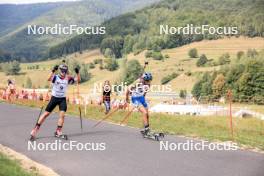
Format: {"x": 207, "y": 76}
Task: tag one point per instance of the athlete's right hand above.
{"x": 77, "y": 70}
{"x": 55, "y": 68}
{"x": 127, "y": 101}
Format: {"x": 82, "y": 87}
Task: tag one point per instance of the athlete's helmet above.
{"x": 147, "y": 76}
{"x": 63, "y": 68}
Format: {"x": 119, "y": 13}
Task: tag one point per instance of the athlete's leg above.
{"x": 9, "y": 96}
{"x": 144, "y": 111}
{"x": 107, "y": 106}
{"x": 52, "y": 104}
{"x": 61, "y": 118}
{"x": 60, "y": 123}
{"x": 43, "y": 117}
{"x": 39, "y": 122}
{"x": 63, "y": 109}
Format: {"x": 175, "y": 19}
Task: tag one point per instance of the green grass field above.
{"x": 247, "y": 132}
{"x": 10, "y": 167}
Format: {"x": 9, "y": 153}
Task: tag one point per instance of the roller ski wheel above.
{"x": 152, "y": 135}
{"x": 32, "y": 138}
{"x": 33, "y": 134}
{"x": 62, "y": 136}
{"x": 161, "y": 135}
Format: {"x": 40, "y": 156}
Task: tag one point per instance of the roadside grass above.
{"x": 252, "y": 107}
{"x": 9, "y": 167}
{"x": 248, "y": 133}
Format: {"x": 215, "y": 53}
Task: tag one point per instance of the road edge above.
{"x": 26, "y": 163}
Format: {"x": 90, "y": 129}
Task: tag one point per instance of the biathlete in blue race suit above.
{"x": 138, "y": 100}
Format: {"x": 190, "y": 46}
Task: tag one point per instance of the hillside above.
{"x": 81, "y": 13}
{"x": 178, "y": 62}
{"x": 134, "y": 32}
{"x": 13, "y": 16}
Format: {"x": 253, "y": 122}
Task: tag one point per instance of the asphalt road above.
{"x": 126, "y": 152}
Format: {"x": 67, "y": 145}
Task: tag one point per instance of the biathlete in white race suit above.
{"x": 60, "y": 83}
{"x": 138, "y": 93}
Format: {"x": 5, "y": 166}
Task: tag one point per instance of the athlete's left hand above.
{"x": 77, "y": 70}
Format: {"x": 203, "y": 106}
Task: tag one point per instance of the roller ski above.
{"x": 33, "y": 134}
{"x": 60, "y": 136}
{"x": 152, "y": 135}
{"x": 32, "y": 138}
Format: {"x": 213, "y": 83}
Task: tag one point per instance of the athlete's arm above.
{"x": 127, "y": 93}
{"x": 78, "y": 78}
{"x": 146, "y": 91}
{"x": 77, "y": 71}
{"x": 51, "y": 75}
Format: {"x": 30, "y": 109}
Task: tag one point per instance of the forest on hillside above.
{"x": 134, "y": 32}
{"x": 16, "y": 44}
{"x": 244, "y": 77}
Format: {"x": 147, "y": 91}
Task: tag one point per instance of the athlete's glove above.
{"x": 55, "y": 68}
{"x": 127, "y": 101}
{"x": 76, "y": 70}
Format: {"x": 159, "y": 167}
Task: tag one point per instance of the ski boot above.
{"x": 59, "y": 134}
{"x": 33, "y": 134}
{"x": 151, "y": 135}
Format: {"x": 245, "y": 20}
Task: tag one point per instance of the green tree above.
{"x": 28, "y": 83}
{"x": 157, "y": 55}
{"x": 133, "y": 71}
{"x": 11, "y": 68}
{"x": 240, "y": 54}
{"x": 196, "y": 90}
{"x": 224, "y": 59}
{"x": 183, "y": 93}
{"x": 84, "y": 73}
{"x": 98, "y": 61}
{"x": 203, "y": 87}
{"x": 252, "y": 53}
{"x": 193, "y": 53}
{"x": 202, "y": 60}
{"x": 168, "y": 78}
{"x": 111, "y": 64}
{"x": 148, "y": 54}
{"x": 109, "y": 53}
{"x": 113, "y": 43}
{"x": 218, "y": 86}
{"x": 91, "y": 65}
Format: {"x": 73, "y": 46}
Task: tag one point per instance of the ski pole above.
{"x": 145, "y": 65}
{"x": 80, "y": 110}
{"x": 106, "y": 117}
{"x": 125, "y": 119}
{"x": 41, "y": 109}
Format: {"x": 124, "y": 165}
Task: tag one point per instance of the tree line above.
{"x": 244, "y": 77}
{"x": 134, "y": 32}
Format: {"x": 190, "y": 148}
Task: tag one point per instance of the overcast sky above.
{"x": 28, "y": 1}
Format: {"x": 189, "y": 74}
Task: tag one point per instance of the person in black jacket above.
{"x": 107, "y": 96}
